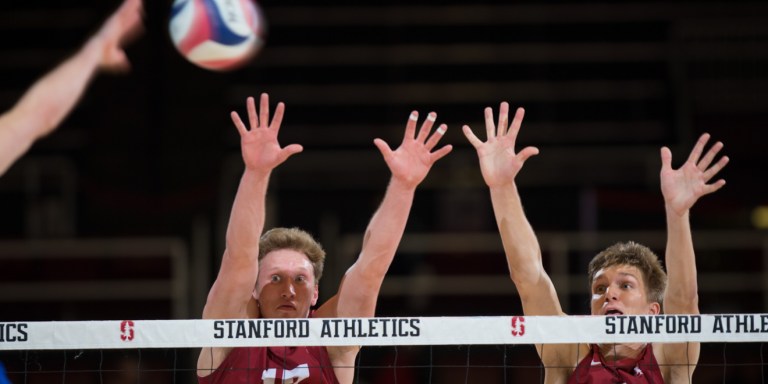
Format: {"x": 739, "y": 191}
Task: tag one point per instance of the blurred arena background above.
{"x": 121, "y": 213}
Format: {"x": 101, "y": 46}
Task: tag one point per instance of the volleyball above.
{"x": 217, "y": 34}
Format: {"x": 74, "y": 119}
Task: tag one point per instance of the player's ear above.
{"x": 654, "y": 308}
{"x": 315, "y": 295}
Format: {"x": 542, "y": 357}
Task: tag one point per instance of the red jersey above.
{"x": 274, "y": 365}
{"x": 594, "y": 369}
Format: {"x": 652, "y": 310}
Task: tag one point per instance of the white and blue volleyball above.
{"x": 217, "y": 34}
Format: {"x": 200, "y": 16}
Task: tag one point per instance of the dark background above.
{"x": 152, "y": 155}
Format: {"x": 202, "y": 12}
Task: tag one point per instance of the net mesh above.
{"x": 423, "y": 350}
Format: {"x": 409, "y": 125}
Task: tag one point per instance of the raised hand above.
{"x": 121, "y": 27}
{"x": 682, "y": 187}
{"x": 412, "y": 160}
{"x": 261, "y": 151}
{"x": 499, "y": 162}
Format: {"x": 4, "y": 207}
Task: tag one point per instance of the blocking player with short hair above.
{"x": 276, "y": 275}
{"x": 625, "y": 279}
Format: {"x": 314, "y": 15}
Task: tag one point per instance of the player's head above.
{"x": 626, "y": 278}
{"x": 290, "y": 267}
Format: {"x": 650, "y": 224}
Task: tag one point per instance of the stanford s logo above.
{"x": 126, "y": 330}
{"x": 518, "y": 325}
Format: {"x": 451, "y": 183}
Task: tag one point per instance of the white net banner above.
{"x": 382, "y": 331}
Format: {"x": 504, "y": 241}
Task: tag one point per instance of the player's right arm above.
{"x": 49, "y": 100}
{"x": 500, "y": 164}
{"x": 234, "y": 285}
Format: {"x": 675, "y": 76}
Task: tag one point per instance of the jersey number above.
{"x": 296, "y": 375}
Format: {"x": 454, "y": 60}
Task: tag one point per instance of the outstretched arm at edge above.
{"x": 681, "y": 189}
{"x": 49, "y": 100}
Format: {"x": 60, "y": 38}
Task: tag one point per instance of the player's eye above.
{"x": 600, "y": 289}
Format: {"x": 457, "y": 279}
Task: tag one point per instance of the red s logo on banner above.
{"x": 518, "y": 326}
{"x": 126, "y": 330}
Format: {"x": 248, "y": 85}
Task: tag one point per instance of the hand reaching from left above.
{"x": 682, "y": 187}
{"x": 413, "y": 159}
{"x": 121, "y": 27}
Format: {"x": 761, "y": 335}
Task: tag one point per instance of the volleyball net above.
{"x": 404, "y": 349}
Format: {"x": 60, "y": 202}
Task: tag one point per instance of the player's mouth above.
{"x": 287, "y": 307}
{"x": 613, "y": 312}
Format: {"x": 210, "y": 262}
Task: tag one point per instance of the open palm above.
{"x": 413, "y": 159}
{"x": 499, "y": 163}
{"x": 260, "y": 148}
{"x": 682, "y": 187}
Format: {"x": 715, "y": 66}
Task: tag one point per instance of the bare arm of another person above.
{"x": 47, "y": 102}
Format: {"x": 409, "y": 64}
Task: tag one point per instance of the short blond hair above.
{"x": 638, "y": 256}
{"x": 297, "y": 240}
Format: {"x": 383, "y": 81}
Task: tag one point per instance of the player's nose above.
{"x": 288, "y": 291}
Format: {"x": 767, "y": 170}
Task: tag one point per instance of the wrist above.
{"x": 673, "y": 213}
{"x": 400, "y": 185}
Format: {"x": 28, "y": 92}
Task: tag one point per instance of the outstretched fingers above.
{"x": 713, "y": 170}
{"x": 410, "y": 126}
{"x": 666, "y": 159}
{"x": 426, "y": 127}
{"x": 253, "y": 116}
{"x": 383, "y": 147}
{"x": 440, "y": 153}
{"x": 277, "y": 120}
{"x": 490, "y": 127}
{"x": 436, "y": 136}
{"x": 517, "y": 122}
{"x": 710, "y": 156}
{"x": 503, "y": 119}
{"x": 289, "y": 151}
{"x": 264, "y": 111}
{"x": 238, "y": 123}
{"x": 698, "y": 148}
{"x": 471, "y": 136}
{"x": 710, "y": 188}
{"x": 526, "y": 153}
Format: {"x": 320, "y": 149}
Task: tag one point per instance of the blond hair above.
{"x": 297, "y": 240}
{"x": 638, "y": 256}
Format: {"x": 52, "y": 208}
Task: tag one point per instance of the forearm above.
{"x": 520, "y": 244}
{"x": 246, "y": 221}
{"x": 682, "y": 287}
{"x": 362, "y": 282}
{"x": 53, "y": 96}
{"x": 386, "y": 228}
{"x": 46, "y": 104}
{"x": 239, "y": 269}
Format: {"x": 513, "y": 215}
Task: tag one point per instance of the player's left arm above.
{"x": 409, "y": 165}
{"x": 359, "y": 289}
{"x": 681, "y": 189}
{"x": 52, "y": 97}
